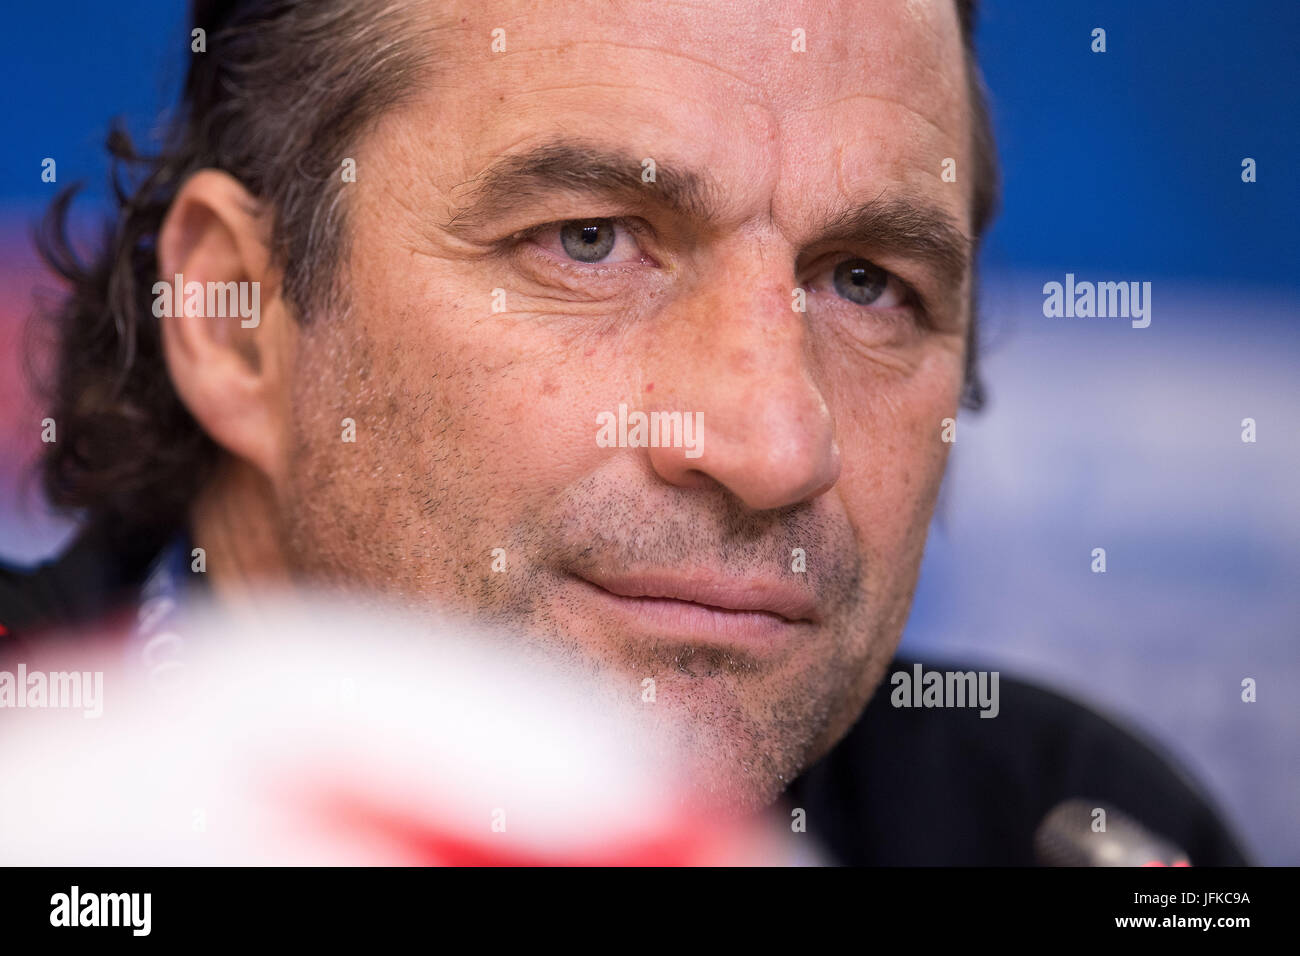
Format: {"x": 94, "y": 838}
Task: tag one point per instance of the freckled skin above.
{"x": 476, "y": 430}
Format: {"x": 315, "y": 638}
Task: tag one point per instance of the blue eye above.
{"x": 860, "y": 281}
{"x": 588, "y": 240}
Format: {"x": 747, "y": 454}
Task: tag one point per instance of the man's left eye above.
{"x": 864, "y": 283}
{"x": 590, "y": 241}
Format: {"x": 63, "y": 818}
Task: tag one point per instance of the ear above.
{"x": 228, "y": 337}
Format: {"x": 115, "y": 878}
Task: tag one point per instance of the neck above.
{"x": 236, "y": 522}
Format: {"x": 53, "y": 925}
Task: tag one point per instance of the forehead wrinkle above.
{"x": 814, "y": 107}
{"x": 639, "y": 48}
{"x": 849, "y": 156}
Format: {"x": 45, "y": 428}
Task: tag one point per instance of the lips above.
{"x": 724, "y": 595}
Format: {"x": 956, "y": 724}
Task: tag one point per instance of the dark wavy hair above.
{"x": 284, "y": 89}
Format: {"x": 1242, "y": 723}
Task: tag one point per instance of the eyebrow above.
{"x": 907, "y": 226}
{"x": 519, "y": 180}
{"x": 904, "y": 225}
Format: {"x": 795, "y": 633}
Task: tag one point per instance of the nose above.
{"x": 734, "y": 351}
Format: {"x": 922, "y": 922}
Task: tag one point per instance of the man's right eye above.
{"x": 590, "y": 241}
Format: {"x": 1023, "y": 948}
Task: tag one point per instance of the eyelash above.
{"x": 636, "y": 228}
{"x": 910, "y": 300}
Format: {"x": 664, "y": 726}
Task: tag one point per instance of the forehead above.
{"x": 787, "y": 106}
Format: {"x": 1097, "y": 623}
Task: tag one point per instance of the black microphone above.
{"x": 1075, "y": 833}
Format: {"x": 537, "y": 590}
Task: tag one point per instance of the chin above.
{"x": 730, "y": 762}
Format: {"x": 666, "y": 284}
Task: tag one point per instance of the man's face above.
{"x": 778, "y": 165}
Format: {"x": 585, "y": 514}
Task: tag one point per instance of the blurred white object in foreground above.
{"x": 323, "y": 735}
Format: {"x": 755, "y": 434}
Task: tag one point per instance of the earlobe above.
{"x": 223, "y": 324}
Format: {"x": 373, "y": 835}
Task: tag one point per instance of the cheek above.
{"x": 894, "y": 459}
{"x": 506, "y": 401}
